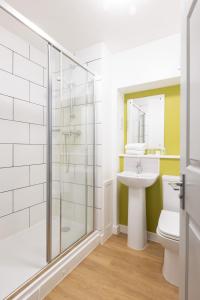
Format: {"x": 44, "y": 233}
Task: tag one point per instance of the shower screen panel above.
{"x": 76, "y": 138}
{"x": 72, "y": 152}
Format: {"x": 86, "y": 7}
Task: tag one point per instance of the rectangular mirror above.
{"x": 145, "y": 121}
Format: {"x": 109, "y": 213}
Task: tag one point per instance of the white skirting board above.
{"x": 106, "y": 233}
{"x": 116, "y": 229}
{"x": 107, "y": 211}
{"x": 152, "y": 236}
{"x": 42, "y": 286}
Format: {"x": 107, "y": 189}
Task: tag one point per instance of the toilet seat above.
{"x": 168, "y": 225}
{"x": 168, "y": 232}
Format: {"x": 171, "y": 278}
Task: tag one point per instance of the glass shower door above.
{"x": 72, "y": 190}
{"x": 76, "y": 135}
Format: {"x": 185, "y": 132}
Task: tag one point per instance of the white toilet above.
{"x": 168, "y": 229}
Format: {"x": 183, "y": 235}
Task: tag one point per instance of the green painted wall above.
{"x": 167, "y": 166}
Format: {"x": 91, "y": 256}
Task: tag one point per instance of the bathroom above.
{"x": 99, "y": 149}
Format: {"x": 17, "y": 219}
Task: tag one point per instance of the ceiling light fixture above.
{"x": 132, "y": 10}
{"x": 106, "y": 5}
{"x": 120, "y": 6}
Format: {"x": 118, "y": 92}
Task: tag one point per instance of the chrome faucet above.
{"x": 139, "y": 167}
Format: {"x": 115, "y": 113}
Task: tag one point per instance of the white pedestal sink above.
{"x": 137, "y": 232}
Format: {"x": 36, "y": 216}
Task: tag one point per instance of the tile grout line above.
{"x": 23, "y": 122}
{"x": 18, "y": 76}
{"x": 23, "y": 187}
{"x": 19, "y": 99}
{"x": 25, "y": 57}
{"x": 22, "y": 209}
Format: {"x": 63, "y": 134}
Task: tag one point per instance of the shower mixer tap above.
{"x": 72, "y": 132}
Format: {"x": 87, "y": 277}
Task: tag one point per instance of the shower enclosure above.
{"x": 47, "y": 151}
{"x": 70, "y": 167}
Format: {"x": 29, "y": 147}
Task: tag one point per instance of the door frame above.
{"x": 187, "y": 8}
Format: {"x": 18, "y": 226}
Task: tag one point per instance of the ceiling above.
{"x": 77, "y": 24}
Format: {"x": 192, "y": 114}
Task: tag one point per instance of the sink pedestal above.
{"x": 137, "y": 183}
{"x": 137, "y": 232}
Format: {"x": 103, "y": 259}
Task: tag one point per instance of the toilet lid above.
{"x": 168, "y": 224}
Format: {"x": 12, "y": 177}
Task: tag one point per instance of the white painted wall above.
{"x": 154, "y": 61}
{"x": 151, "y": 65}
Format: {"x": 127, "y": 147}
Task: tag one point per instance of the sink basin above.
{"x": 132, "y": 179}
{"x": 137, "y": 232}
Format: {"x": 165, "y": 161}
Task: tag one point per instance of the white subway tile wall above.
{"x": 38, "y": 57}
{"x": 23, "y": 97}
{"x": 5, "y": 59}
{"x": 37, "y": 174}
{"x": 28, "y": 155}
{"x": 6, "y": 107}
{"x": 14, "y": 86}
{"x": 6, "y": 155}
{"x": 6, "y": 203}
{"x": 25, "y": 68}
{"x": 28, "y": 196}
{"x": 28, "y": 112}
{"x": 13, "y": 42}
{"x": 13, "y": 178}
{"x": 14, "y": 132}
{"x": 37, "y": 134}
{"x": 38, "y": 94}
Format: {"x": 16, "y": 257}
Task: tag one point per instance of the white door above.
{"x": 190, "y": 156}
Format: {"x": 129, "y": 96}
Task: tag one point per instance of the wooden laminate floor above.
{"x": 115, "y": 272}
